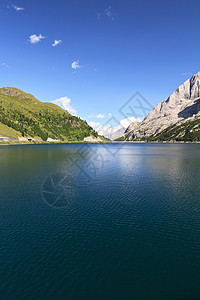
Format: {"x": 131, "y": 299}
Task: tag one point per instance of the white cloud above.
{"x": 94, "y": 124}
{"x": 56, "y": 42}
{"x": 33, "y": 39}
{"x": 17, "y": 8}
{"x": 110, "y": 132}
{"x": 98, "y": 116}
{"x": 126, "y": 122}
{"x": 3, "y": 64}
{"x": 108, "y": 129}
{"x": 65, "y": 103}
{"x": 75, "y": 65}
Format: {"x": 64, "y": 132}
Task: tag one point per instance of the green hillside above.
{"x": 22, "y": 114}
{"x": 5, "y": 130}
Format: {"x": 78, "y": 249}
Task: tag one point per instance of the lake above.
{"x": 100, "y": 221}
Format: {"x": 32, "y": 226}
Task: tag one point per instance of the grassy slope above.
{"x": 120, "y": 139}
{"x": 5, "y": 130}
{"x": 32, "y": 118}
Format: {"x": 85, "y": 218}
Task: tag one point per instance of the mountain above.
{"x": 114, "y": 132}
{"x": 187, "y": 130}
{"x": 180, "y": 112}
{"x": 22, "y": 116}
{"x": 111, "y": 133}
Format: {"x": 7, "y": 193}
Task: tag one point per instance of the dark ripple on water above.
{"x": 133, "y": 229}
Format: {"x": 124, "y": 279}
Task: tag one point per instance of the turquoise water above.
{"x": 114, "y": 221}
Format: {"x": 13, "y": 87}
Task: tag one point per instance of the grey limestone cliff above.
{"x": 182, "y": 104}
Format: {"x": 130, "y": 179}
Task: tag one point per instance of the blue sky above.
{"x": 115, "y": 47}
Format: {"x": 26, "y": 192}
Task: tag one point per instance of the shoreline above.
{"x": 48, "y": 143}
{"x": 83, "y": 142}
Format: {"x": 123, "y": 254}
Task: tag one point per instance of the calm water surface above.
{"x": 94, "y": 221}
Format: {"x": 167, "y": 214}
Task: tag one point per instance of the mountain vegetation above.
{"x": 186, "y": 131}
{"x": 22, "y": 115}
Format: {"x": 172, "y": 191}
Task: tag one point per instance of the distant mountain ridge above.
{"x": 22, "y": 116}
{"x": 182, "y": 105}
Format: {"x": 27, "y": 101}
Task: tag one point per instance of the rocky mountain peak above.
{"x": 195, "y": 86}
{"x": 183, "y": 103}
{"x": 190, "y": 89}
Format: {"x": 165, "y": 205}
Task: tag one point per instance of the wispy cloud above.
{"x": 75, "y": 65}
{"x": 17, "y": 8}
{"x": 3, "y": 64}
{"x": 34, "y": 38}
{"x": 56, "y": 42}
{"x": 65, "y": 103}
{"x": 94, "y": 124}
{"x": 98, "y": 116}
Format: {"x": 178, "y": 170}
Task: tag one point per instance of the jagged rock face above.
{"x": 183, "y": 103}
